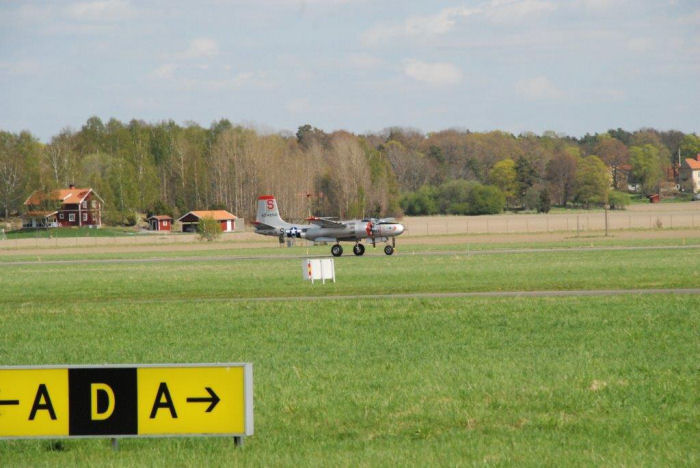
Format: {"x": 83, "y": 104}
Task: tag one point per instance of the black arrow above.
{"x": 213, "y": 399}
{"x": 9, "y": 402}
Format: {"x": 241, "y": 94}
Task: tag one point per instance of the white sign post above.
{"x": 318, "y": 269}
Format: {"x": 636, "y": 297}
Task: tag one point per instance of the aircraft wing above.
{"x": 326, "y": 223}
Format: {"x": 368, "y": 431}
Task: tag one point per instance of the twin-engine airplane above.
{"x": 269, "y": 223}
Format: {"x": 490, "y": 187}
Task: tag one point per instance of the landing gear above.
{"x": 388, "y": 250}
{"x": 337, "y": 250}
{"x": 358, "y": 250}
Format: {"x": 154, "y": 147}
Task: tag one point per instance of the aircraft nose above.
{"x": 399, "y": 229}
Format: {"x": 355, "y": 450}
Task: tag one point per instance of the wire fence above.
{"x": 416, "y": 226}
{"x": 579, "y": 223}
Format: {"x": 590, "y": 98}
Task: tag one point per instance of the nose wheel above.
{"x": 358, "y": 250}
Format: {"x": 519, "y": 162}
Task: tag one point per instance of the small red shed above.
{"x": 160, "y": 222}
{"x": 225, "y": 219}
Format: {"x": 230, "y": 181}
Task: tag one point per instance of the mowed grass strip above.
{"x": 405, "y": 246}
{"x": 280, "y": 277}
{"x": 517, "y": 381}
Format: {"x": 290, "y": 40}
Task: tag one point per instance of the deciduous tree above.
{"x": 504, "y": 176}
{"x": 646, "y": 167}
{"x": 592, "y": 182}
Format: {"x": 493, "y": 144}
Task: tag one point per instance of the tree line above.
{"x": 166, "y": 168}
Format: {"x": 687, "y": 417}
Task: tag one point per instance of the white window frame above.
{"x": 84, "y": 203}
{"x": 61, "y": 216}
{"x": 84, "y": 216}
{"x": 71, "y": 217}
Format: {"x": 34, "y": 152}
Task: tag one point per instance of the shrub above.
{"x": 458, "y": 197}
{"x": 421, "y": 202}
{"x": 486, "y": 199}
{"x": 209, "y": 229}
{"x": 618, "y": 200}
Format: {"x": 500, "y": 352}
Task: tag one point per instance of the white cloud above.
{"x": 202, "y": 47}
{"x": 510, "y": 11}
{"x": 103, "y": 10}
{"x": 419, "y": 26}
{"x": 538, "y": 89}
{"x": 439, "y": 73}
{"x": 444, "y": 21}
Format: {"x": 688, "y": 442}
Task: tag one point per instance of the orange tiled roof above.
{"x": 219, "y": 215}
{"x": 71, "y": 196}
{"x": 694, "y": 164}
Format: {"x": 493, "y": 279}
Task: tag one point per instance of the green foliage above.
{"x": 127, "y": 217}
{"x": 159, "y": 207}
{"x": 646, "y": 167}
{"x": 592, "y": 182}
{"x": 526, "y": 176}
{"x": 209, "y": 229}
{"x": 504, "y": 176}
{"x": 421, "y": 202}
{"x": 618, "y": 200}
{"x": 135, "y": 165}
{"x": 458, "y": 197}
{"x": 485, "y": 199}
{"x": 690, "y": 146}
{"x": 19, "y": 159}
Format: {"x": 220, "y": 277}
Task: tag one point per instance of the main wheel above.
{"x": 388, "y": 250}
{"x": 358, "y": 250}
{"x": 337, "y": 250}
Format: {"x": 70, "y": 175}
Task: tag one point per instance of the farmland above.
{"x": 351, "y": 374}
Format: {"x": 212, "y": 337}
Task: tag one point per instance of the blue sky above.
{"x": 571, "y": 66}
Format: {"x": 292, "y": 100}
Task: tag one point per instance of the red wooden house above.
{"x": 63, "y": 208}
{"x": 160, "y": 223}
{"x": 225, "y": 219}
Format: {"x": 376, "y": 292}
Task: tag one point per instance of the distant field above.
{"x": 415, "y": 381}
{"x": 69, "y": 232}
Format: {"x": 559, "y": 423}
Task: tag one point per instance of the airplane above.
{"x": 269, "y": 223}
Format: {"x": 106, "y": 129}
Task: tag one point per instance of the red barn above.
{"x": 63, "y": 208}
{"x": 225, "y": 219}
{"x": 160, "y": 222}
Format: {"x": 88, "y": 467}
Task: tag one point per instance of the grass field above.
{"x": 420, "y": 381}
{"x": 70, "y": 232}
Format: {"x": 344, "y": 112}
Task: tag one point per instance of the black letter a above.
{"x": 168, "y": 403}
{"x": 42, "y": 393}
